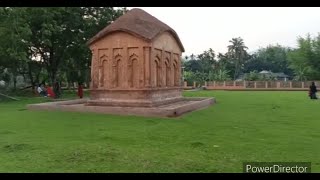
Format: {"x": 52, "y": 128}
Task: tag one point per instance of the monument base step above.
{"x": 173, "y": 109}
{"x": 132, "y": 103}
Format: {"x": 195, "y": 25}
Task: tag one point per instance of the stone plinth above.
{"x": 168, "y": 110}
{"x": 135, "y": 98}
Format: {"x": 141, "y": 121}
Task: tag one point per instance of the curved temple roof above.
{"x": 139, "y": 23}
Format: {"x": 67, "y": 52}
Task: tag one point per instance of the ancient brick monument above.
{"x": 136, "y": 62}
{"x": 135, "y": 70}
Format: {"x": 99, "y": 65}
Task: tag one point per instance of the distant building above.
{"x": 277, "y": 76}
{"x": 267, "y": 75}
{"x": 281, "y": 76}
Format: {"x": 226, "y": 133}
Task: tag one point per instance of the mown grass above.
{"x": 242, "y": 126}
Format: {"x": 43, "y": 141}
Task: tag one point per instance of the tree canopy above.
{"x": 51, "y": 39}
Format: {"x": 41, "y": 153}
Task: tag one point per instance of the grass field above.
{"x": 242, "y": 126}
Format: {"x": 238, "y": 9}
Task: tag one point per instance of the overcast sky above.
{"x": 201, "y": 28}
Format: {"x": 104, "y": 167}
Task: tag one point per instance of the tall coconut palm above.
{"x": 238, "y": 52}
{"x": 192, "y": 57}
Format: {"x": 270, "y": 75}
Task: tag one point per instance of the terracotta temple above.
{"x": 136, "y": 70}
{"x": 136, "y": 62}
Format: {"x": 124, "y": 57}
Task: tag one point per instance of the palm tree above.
{"x": 220, "y": 74}
{"x": 212, "y": 56}
{"x": 192, "y": 57}
{"x": 301, "y": 73}
{"x": 238, "y": 52}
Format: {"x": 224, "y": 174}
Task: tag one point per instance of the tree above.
{"x": 207, "y": 61}
{"x": 305, "y": 59}
{"x": 271, "y": 58}
{"x": 189, "y": 77}
{"x": 60, "y": 35}
{"x": 220, "y": 74}
{"x": 14, "y": 36}
{"x": 315, "y": 61}
{"x": 192, "y": 65}
{"x": 55, "y": 36}
{"x": 237, "y": 51}
{"x": 224, "y": 62}
{"x": 252, "y": 76}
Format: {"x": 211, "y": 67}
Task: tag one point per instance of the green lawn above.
{"x": 242, "y": 126}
